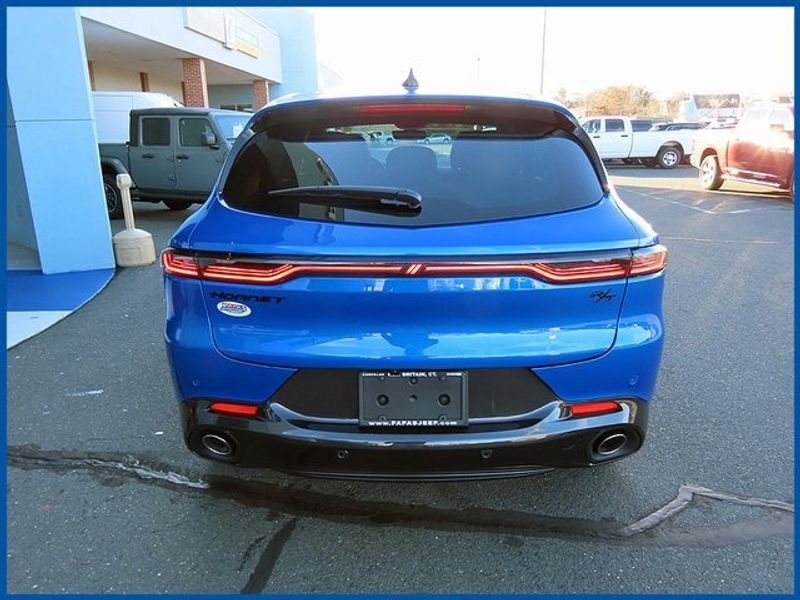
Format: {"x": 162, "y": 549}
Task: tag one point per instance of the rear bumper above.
{"x": 526, "y": 445}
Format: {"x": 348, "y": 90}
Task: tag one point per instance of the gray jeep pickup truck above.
{"x": 173, "y": 155}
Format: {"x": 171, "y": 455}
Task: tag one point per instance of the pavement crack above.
{"x": 657, "y": 528}
{"x": 22, "y": 455}
{"x": 687, "y": 493}
{"x": 249, "y": 552}
{"x": 263, "y": 571}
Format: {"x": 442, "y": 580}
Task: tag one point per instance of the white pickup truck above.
{"x": 617, "y": 137}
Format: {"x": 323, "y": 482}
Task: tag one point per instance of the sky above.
{"x": 668, "y": 50}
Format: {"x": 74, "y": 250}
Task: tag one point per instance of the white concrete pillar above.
{"x": 58, "y": 168}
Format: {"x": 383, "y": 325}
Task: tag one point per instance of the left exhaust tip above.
{"x": 217, "y": 445}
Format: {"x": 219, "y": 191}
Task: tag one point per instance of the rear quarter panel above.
{"x": 714, "y": 141}
{"x": 109, "y": 152}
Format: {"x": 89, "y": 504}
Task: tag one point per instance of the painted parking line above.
{"x": 22, "y": 324}
{"x": 715, "y": 211}
{"x": 713, "y": 241}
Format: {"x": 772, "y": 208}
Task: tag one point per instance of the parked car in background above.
{"x": 759, "y": 150}
{"x": 173, "y": 155}
{"x": 380, "y": 137}
{"x": 112, "y": 112}
{"x": 437, "y": 138}
{"x": 678, "y": 126}
{"x": 342, "y": 311}
{"x": 723, "y": 123}
{"x": 614, "y": 137}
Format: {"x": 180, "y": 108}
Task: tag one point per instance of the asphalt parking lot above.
{"x": 103, "y": 497}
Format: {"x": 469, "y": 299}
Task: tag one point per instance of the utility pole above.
{"x": 544, "y": 43}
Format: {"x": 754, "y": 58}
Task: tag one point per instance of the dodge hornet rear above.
{"x": 483, "y": 308}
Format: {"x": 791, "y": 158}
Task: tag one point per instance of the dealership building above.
{"x": 57, "y": 220}
{"x": 59, "y": 250}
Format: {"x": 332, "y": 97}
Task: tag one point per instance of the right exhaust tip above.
{"x": 613, "y": 444}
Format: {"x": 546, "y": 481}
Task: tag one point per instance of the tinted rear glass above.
{"x": 640, "y": 125}
{"x": 465, "y": 170}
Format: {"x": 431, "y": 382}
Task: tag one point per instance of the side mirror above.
{"x": 210, "y": 138}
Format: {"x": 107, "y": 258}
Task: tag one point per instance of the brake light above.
{"x": 380, "y": 109}
{"x": 234, "y": 410}
{"x": 592, "y": 409}
{"x": 642, "y": 262}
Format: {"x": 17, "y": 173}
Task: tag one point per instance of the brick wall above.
{"x": 260, "y": 93}
{"x": 195, "y": 87}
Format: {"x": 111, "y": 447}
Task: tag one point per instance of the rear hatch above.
{"x": 517, "y": 255}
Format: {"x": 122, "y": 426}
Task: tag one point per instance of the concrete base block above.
{"x": 134, "y": 248}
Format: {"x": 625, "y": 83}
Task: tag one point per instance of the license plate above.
{"x": 412, "y": 399}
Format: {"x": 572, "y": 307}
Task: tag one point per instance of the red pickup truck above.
{"x": 759, "y": 150}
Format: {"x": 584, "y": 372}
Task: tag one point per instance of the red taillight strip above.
{"x": 550, "y": 272}
{"x": 650, "y": 261}
{"x": 272, "y": 274}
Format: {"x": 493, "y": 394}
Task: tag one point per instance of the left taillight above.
{"x": 180, "y": 265}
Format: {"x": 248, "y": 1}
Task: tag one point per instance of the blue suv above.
{"x": 345, "y": 308}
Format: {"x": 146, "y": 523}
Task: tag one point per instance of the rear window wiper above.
{"x": 395, "y": 201}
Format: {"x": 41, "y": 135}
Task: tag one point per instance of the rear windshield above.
{"x": 465, "y": 170}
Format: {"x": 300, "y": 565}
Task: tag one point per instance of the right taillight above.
{"x": 648, "y": 260}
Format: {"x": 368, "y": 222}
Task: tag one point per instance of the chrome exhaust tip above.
{"x": 610, "y": 445}
{"x": 217, "y": 445}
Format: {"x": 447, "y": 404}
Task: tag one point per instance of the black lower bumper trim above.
{"x": 555, "y": 441}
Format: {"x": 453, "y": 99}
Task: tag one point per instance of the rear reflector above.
{"x": 644, "y": 262}
{"x": 592, "y": 409}
{"x": 234, "y": 410}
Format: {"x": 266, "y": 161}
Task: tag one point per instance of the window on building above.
{"x": 239, "y": 107}
{"x": 155, "y": 131}
{"x": 194, "y": 131}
